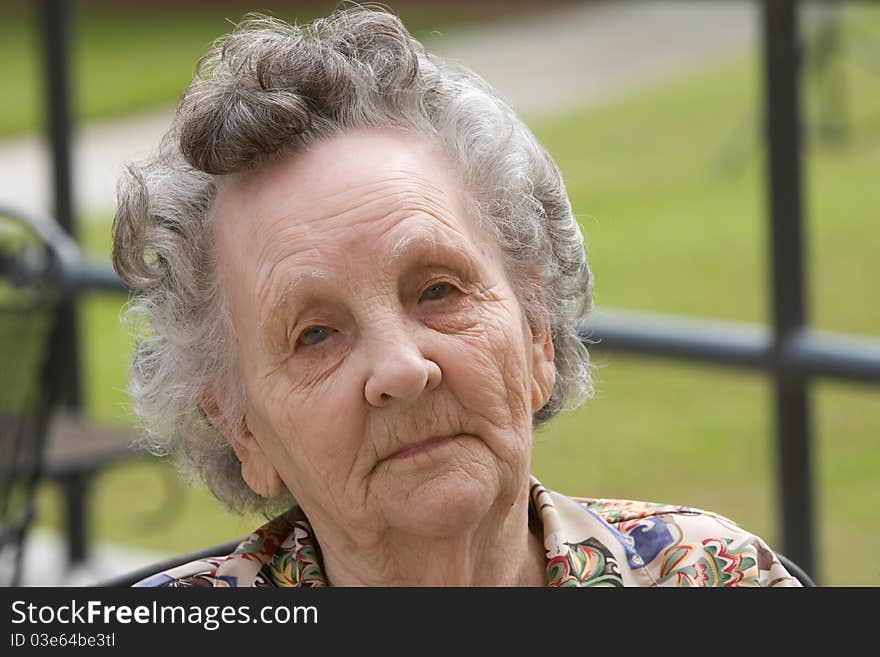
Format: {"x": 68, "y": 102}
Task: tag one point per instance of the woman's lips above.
{"x": 412, "y": 449}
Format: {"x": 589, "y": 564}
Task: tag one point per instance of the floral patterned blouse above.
{"x": 589, "y": 542}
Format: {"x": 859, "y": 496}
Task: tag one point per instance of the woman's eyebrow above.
{"x": 418, "y": 246}
{"x": 287, "y": 299}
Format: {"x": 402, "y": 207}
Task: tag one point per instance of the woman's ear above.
{"x": 542, "y": 352}
{"x": 256, "y": 466}
{"x": 543, "y": 363}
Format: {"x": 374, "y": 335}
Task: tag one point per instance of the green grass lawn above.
{"x": 669, "y": 189}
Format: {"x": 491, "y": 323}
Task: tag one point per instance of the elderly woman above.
{"x": 362, "y": 281}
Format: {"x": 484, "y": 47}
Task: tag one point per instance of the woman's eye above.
{"x": 313, "y": 335}
{"x": 437, "y": 291}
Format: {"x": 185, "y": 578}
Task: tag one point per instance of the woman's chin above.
{"x": 440, "y": 505}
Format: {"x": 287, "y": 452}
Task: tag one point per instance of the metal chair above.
{"x": 35, "y": 256}
{"x": 796, "y": 571}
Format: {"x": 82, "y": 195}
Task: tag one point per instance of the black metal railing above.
{"x": 787, "y": 351}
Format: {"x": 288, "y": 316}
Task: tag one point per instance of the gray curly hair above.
{"x": 265, "y": 91}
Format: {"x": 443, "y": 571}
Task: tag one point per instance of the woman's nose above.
{"x": 400, "y": 371}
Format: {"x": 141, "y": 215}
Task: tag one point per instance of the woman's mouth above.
{"x": 410, "y": 450}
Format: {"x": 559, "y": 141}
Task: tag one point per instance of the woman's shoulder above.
{"x": 283, "y": 552}
{"x": 677, "y": 545}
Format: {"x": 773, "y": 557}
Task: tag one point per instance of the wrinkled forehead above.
{"x": 356, "y": 187}
{"x": 324, "y": 171}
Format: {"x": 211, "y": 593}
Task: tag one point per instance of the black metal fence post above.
{"x": 56, "y": 17}
{"x": 783, "y": 133}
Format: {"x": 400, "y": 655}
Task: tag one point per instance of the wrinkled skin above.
{"x": 390, "y": 372}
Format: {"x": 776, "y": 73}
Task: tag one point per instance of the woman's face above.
{"x": 390, "y": 373}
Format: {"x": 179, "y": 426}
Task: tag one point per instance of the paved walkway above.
{"x": 572, "y": 56}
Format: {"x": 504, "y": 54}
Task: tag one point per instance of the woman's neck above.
{"x": 500, "y": 553}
